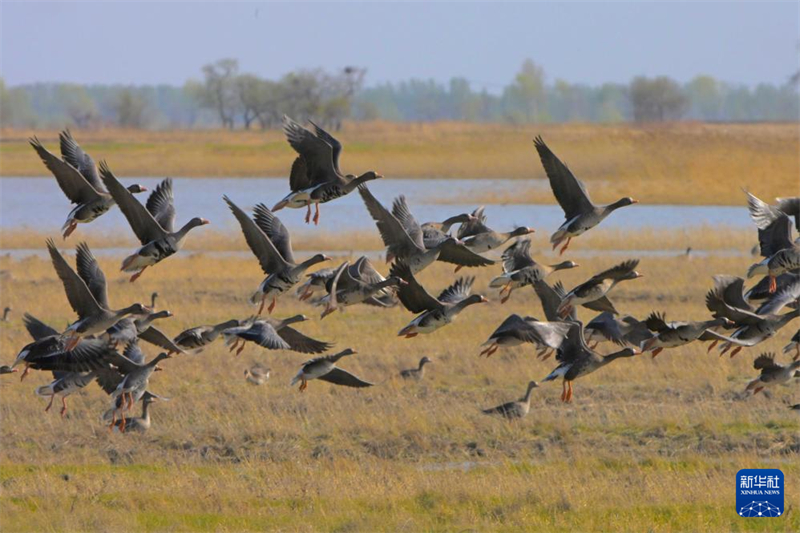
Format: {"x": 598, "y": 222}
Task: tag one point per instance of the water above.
{"x": 39, "y": 204}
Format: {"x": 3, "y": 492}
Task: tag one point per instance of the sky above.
{"x": 592, "y": 43}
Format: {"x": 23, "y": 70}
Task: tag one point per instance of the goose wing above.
{"x": 161, "y": 204}
{"x": 156, "y": 337}
{"x": 456, "y": 292}
{"x": 79, "y": 296}
{"x": 413, "y": 295}
{"x": 301, "y": 343}
{"x": 146, "y": 228}
{"x": 275, "y": 231}
{"x": 569, "y": 191}
{"x": 317, "y": 154}
{"x": 80, "y": 160}
{"x": 394, "y": 235}
{"x": 458, "y": 254}
{"x": 338, "y": 376}
{"x": 518, "y": 256}
{"x": 91, "y": 273}
{"x": 71, "y": 181}
{"x": 336, "y": 146}
{"x": 36, "y": 328}
{"x": 268, "y": 256}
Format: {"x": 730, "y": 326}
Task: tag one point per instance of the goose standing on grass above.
{"x": 270, "y": 242}
{"x": 772, "y": 373}
{"x": 274, "y": 334}
{"x": 197, "y": 338}
{"x": 153, "y": 225}
{"x": 794, "y": 344}
{"x": 402, "y": 235}
{"x": 592, "y": 293}
{"x": 325, "y": 368}
{"x": 257, "y": 374}
{"x": 6, "y": 313}
{"x": 581, "y": 214}
{"x": 781, "y": 253}
{"x": 675, "y": 334}
{"x": 753, "y": 327}
{"x": 76, "y": 174}
{"x": 416, "y": 373}
{"x": 315, "y": 177}
{"x": 516, "y": 330}
{"x": 6, "y": 369}
{"x": 578, "y": 360}
{"x": 140, "y": 424}
{"x": 357, "y": 283}
{"x": 519, "y": 269}
{"x": 87, "y": 297}
{"x": 517, "y": 409}
{"x": 434, "y": 313}
{"x": 480, "y": 238}
{"x": 153, "y": 298}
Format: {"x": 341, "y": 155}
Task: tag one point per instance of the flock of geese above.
{"x": 102, "y": 344}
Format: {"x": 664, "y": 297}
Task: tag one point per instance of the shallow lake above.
{"x": 39, "y": 204}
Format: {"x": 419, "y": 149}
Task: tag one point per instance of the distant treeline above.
{"x": 227, "y": 97}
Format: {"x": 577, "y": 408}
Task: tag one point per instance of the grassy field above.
{"x": 647, "y": 445}
{"x": 682, "y": 163}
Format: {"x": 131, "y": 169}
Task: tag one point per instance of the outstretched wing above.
{"x": 161, "y": 204}
{"x": 73, "y": 154}
{"x": 343, "y": 377}
{"x": 91, "y": 273}
{"x": 456, "y": 292}
{"x": 316, "y": 153}
{"x": 146, "y": 228}
{"x": 72, "y": 182}
{"x": 570, "y": 193}
{"x": 413, "y": 295}
{"x": 274, "y": 229}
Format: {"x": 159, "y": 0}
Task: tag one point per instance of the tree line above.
{"x": 227, "y": 97}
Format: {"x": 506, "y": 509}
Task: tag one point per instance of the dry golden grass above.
{"x": 647, "y": 444}
{"x": 681, "y": 163}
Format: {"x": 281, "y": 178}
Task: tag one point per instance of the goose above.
{"x": 87, "y": 295}
{"x": 141, "y": 327}
{"x": 480, "y": 238}
{"x": 64, "y": 384}
{"x": 772, "y": 373}
{"x": 433, "y": 232}
{"x": 675, "y": 334}
{"x": 781, "y": 253}
{"x": 581, "y": 214}
{"x": 153, "y": 224}
{"x": 274, "y": 334}
{"x": 359, "y": 283}
{"x": 794, "y": 344}
{"x": 402, "y": 235}
{"x": 6, "y": 313}
{"x": 129, "y": 379}
{"x": 598, "y": 286}
{"x": 325, "y": 368}
{"x": 434, "y": 313}
{"x": 416, "y": 373}
{"x": 519, "y": 269}
{"x": 315, "y": 177}
{"x": 6, "y": 369}
{"x": 153, "y": 298}
{"x": 138, "y": 424}
{"x": 753, "y": 327}
{"x": 271, "y": 243}
{"x": 256, "y": 375}
{"x": 516, "y": 330}
{"x": 516, "y": 409}
{"x": 622, "y": 331}
{"x": 197, "y": 338}
{"x": 577, "y": 360}
{"x": 551, "y": 297}
{"x": 77, "y": 176}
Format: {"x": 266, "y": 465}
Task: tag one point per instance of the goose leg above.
{"x": 411, "y": 335}
{"x": 49, "y": 405}
{"x": 72, "y": 341}
{"x": 563, "y": 390}
{"x": 569, "y": 392}
{"x": 70, "y": 229}
{"x": 797, "y": 352}
{"x": 316, "y": 214}
{"x": 308, "y": 214}
{"x": 303, "y": 384}
{"x": 306, "y": 293}
{"x": 240, "y": 348}
{"x": 712, "y": 345}
{"x": 657, "y": 351}
{"x": 773, "y": 286}
{"x": 758, "y": 389}
{"x": 113, "y": 420}
{"x": 63, "y": 406}
{"x": 136, "y": 276}
{"x": 261, "y": 307}
{"x": 507, "y": 296}
{"x": 272, "y": 305}
{"x": 25, "y": 372}
{"x": 459, "y": 267}
{"x": 564, "y": 249}
{"x": 122, "y": 424}
{"x": 487, "y": 350}
{"x": 548, "y": 354}
{"x": 736, "y": 350}
{"x": 235, "y": 344}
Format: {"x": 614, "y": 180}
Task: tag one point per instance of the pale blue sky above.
{"x": 161, "y": 42}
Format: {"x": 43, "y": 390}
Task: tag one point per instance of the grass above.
{"x": 656, "y": 453}
{"x": 681, "y": 163}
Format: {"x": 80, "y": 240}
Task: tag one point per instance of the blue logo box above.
{"x": 759, "y": 493}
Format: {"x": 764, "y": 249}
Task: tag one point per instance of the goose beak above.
{"x": 530, "y": 230}
{"x": 326, "y": 257}
{"x": 157, "y": 369}
{"x": 205, "y": 221}
{"x": 402, "y": 282}
{"x": 483, "y": 300}
{"x": 634, "y": 201}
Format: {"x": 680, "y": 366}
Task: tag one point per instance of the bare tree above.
{"x": 220, "y": 90}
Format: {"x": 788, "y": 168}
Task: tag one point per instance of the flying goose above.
{"x": 516, "y": 330}
{"x": 76, "y": 174}
{"x": 197, "y": 338}
{"x": 577, "y": 360}
{"x": 416, "y": 373}
{"x": 516, "y": 409}
{"x": 597, "y": 287}
{"x": 274, "y": 334}
{"x": 772, "y": 373}
{"x": 480, "y": 238}
{"x": 434, "y": 313}
{"x": 675, "y": 334}
{"x": 519, "y": 269}
{"x": 257, "y": 374}
{"x": 315, "y": 177}
{"x": 154, "y": 224}
{"x": 130, "y": 328}
{"x": 581, "y": 214}
{"x": 357, "y": 283}
{"x": 782, "y": 254}
{"x": 402, "y": 235}
{"x": 87, "y": 295}
{"x": 325, "y": 368}
{"x": 271, "y": 243}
